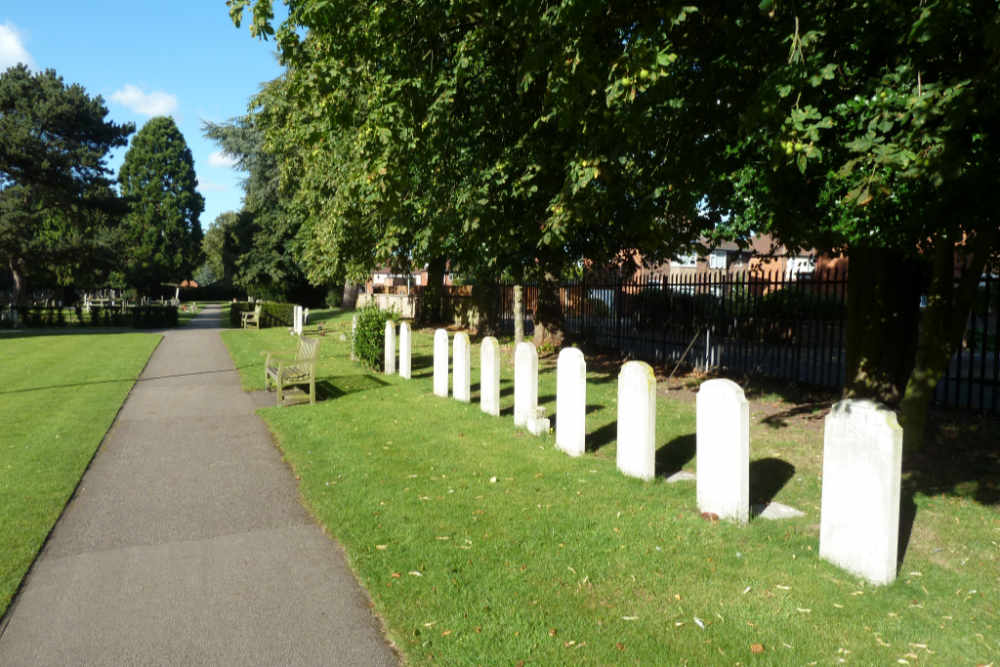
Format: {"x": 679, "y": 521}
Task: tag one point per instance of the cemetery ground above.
{"x": 482, "y": 544}
{"x": 60, "y": 394}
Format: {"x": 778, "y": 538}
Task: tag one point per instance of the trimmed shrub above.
{"x": 154, "y": 317}
{"x": 369, "y": 340}
{"x": 275, "y": 314}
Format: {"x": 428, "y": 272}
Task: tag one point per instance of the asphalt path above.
{"x": 186, "y": 544}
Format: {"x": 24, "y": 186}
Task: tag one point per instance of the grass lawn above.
{"x": 481, "y": 544}
{"x": 60, "y": 393}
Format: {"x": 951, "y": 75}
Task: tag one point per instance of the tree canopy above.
{"x": 57, "y": 208}
{"x": 518, "y": 139}
{"x": 161, "y": 233}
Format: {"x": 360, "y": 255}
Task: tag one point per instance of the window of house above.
{"x": 689, "y": 260}
{"x": 717, "y": 260}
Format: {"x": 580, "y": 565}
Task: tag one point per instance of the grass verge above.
{"x": 481, "y": 544}
{"x": 60, "y": 394}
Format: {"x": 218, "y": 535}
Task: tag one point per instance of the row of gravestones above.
{"x": 862, "y": 451}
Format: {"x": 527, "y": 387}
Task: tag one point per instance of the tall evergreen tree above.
{"x": 56, "y": 204}
{"x": 161, "y": 234}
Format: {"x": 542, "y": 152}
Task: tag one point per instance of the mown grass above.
{"x": 58, "y": 396}
{"x": 481, "y": 544}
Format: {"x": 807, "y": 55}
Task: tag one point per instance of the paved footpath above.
{"x": 185, "y": 543}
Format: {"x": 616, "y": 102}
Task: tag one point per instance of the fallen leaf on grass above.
{"x": 552, "y": 632}
{"x": 381, "y": 547}
{"x": 784, "y": 588}
{"x": 756, "y": 648}
{"x": 414, "y": 573}
{"x": 700, "y": 623}
{"x": 630, "y": 618}
{"x": 446, "y": 633}
{"x": 710, "y": 516}
{"x": 396, "y": 575}
{"x": 619, "y": 646}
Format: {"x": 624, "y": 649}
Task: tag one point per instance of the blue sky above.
{"x": 182, "y": 58}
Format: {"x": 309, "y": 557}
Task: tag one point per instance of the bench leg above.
{"x": 312, "y": 392}
{"x": 280, "y": 393}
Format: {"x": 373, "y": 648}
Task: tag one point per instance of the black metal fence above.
{"x": 777, "y": 325}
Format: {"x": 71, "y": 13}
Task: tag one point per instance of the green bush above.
{"x": 154, "y": 317}
{"x": 275, "y": 314}
{"x": 335, "y": 296}
{"x": 369, "y": 338}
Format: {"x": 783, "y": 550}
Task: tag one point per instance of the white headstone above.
{"x": 571, "y": 402}
{"x": 489, "y": 376}
{"x": 461, "y": 368}
{"x": 441, "y": 363}
{"x": 405, "y": 350}
{"x": 723, "y": 450}
{"x": 297, "y": 320}
{"x": 390, "y": 348}
{"x": 636, "y": 455}
{"x": 538, "y": 424}
{"x": 862, "y": 465}
{"x": 354, "y": 336}
{"x": 525, "y": 383}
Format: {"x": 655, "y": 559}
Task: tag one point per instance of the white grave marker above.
{"x": 441, "y": 363}
{"x": 723, "y": 450}
{"x": 636, "y": 455}
{"x": 461, "y": 373}
{"x": 297, "y": 320}
{"x": 525, "y": 383}
{"x": 571, "y": 402}
{"x": 405, "y": 350}
{"x": 489, "y": 376}
{"x": 354, "y": 336}
{"x": 390, "y": 348}
{"x": 862, "y": 464}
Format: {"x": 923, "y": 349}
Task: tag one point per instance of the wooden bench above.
{"x": 252, "y": 318}
{"x": 284, "y": 372}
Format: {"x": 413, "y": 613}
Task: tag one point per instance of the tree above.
{"x": 874, "y": 132}
{"x": 56, "y": 204}
{"x": 264, "y": 239}
{"x": 161, "y": 233}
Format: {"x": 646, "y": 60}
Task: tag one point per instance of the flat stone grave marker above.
{"x": 405, "y": 350}
{"x": 461, "y": 368}
{"x": 390, "y": 348}
{"x": 859, "y": 512}
{"x": 441, "y": 363}
{"x": 723, "y": 450}
{"x": 489, "y": 376}
{"x": 636, "y": 455}
{"x": 571, "y": 401}
{"x": 525, "y": 383}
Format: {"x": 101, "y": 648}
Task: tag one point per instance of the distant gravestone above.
{"x": 489, "y": 376}
{"x": 723, "y": 450}
{"x": 297, "y": 320}
{"x": 571, "y": 402}
{"x": 390, "y": 348}
{"x": 525, "y": 383}
{"x": 862, "y": 464}
{"x": 405, "y": 350}
{"x": 354, "y": 336}
{"x": 637, "y": 420}
{"x": 461, "y": 368}
{"x": 441, "y": 363}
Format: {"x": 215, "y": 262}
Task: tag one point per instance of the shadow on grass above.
{"x": 907, "y": 515}
{"x": 673, "y": 456}
{"x": 768, "y": 477}
{"x": 338, "y": 386}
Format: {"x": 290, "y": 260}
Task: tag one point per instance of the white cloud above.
{"x": 157, "y": 103}
{"x": 220, "y": 159}
{"x": 12, "y": 49}
{"x": 211, "y": 186}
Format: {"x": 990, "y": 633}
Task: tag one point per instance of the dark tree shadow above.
{"x": 673, "y": 456}
{"x": 326, "y": 391}
{"x": 767, "y": 477}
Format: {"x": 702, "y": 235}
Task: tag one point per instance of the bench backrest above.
{"x": 307, "y": 349}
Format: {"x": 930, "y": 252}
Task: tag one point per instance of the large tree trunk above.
{"x": 942, "y": 326}
{"x": 883, "y": 309}
{"x": 549, "y": 322}
{"x": 431, "y": 311}
{"x": 518, "y": 314}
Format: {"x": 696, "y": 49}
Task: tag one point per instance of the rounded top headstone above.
{"x": 440, "y": 334}
{"x": 637, "y": 369}
{"x": 570, "y": 354}
{"x": 722, "y": 388}
{"x": 525, "y": 348}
